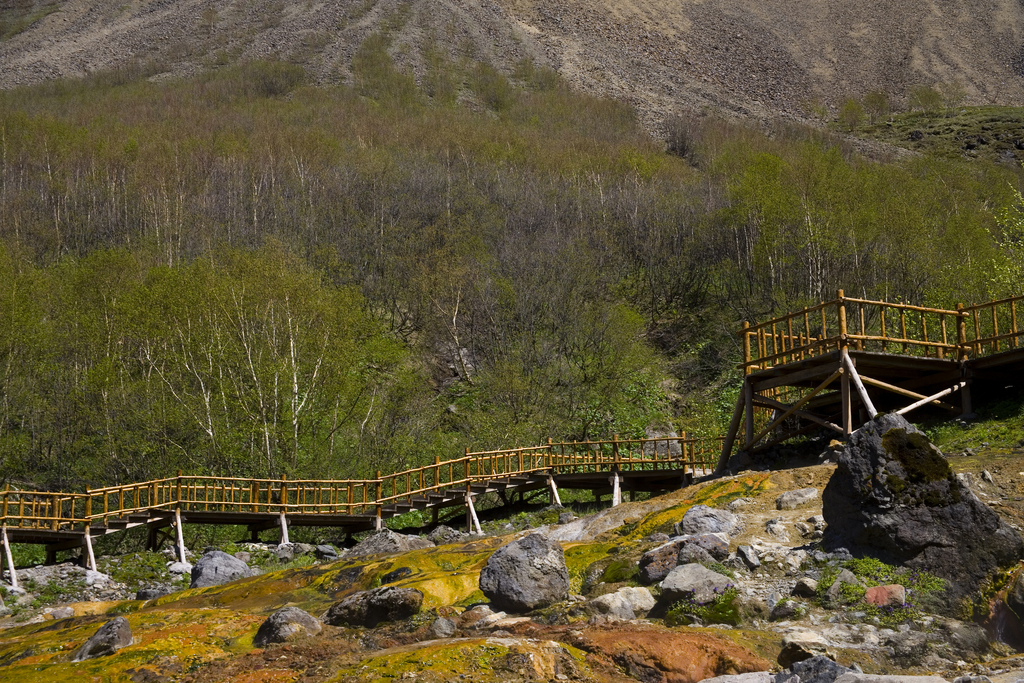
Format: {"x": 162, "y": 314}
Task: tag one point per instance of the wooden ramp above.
{"x": 838, "y": 364}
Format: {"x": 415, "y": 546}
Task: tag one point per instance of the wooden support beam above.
{"x": 474, "y": 521}
{"x": 810, "y": 417}
{"x": 730, "y": 437}
{"x": 865, "y": 399}
{"x": 794, "y": 378}
{"x": 555, "y": 499}
{"x": 901, "y": 391}
{"x": 780, "y": 439}
{"x": 930, "y": 399}
{"x": 615, "y": 480}
{"x": 846, "y": 407}
{"x": 90, "y": 556}
{"x": 179, "y": 531}
{"x": 284, "y": 530}
{"x": 9, "y": 557}
{"x": 748, "y": 402}
{"x": 796, "y": 406}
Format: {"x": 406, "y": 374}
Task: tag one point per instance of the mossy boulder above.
{"x": 894, "y": 497}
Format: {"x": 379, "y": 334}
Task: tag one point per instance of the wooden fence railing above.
{"x": 40, "y": 510}
{"x": 880, "y": 326}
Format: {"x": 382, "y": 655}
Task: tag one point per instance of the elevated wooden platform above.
{"x": 879, "y": 357}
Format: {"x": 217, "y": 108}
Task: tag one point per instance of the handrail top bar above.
{"x": 908, "y": 307}
{"x": 788, "y": 316}
{"x": 989, "y": 304}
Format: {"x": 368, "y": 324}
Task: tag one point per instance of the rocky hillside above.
{"x": 742, "y": 56}
{"x": 721, "y": 578}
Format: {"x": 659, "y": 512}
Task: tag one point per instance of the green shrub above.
{"x": 719, "y": 610}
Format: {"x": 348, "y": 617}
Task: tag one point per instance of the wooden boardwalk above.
{"x": 831, "y": 366}
{"x": 63, "y": 521}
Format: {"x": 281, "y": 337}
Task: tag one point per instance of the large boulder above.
{"x": 216, "y": 567}
{"x": 894, "y": 497}
{"x": 112, "y": 636}
{"x": 657, "y": 562}
{"x": 701, "y": 519}
{"x": 693, "y": 580}
{"x": 791, "y": 500}
{"x": 369, "y": 608}
{"x": 286, "y": 624}
{"x": 526, "y": 574}
{"x": 387, "y": 542}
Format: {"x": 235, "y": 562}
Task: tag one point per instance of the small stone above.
{"x": 179, "y": 568}
{"x": 805, "y": 587}
{"x": 244, "y": 556}
{"x": 111, "y": 637}
{"x": 694, "y": 579}
{"x": 818, "y": 669}
{"x": 791, "y": 500}
{"x": 884, "y": 596}
{"x": 441, "y": 628}
{"x": 285, "y": 553}
{"x": 834, "y": 591}
{"x": 215, "y": 568}
{"x": 151, "y": 593}
{"x": 987, "y": 476}
{"x": 784, "y": 609}
{"x": 701, "y": 519}
{"x": 325, "y": 553}
{"x": 800, "y": 645}
{"x": 286, "y": 624}
{"x": 565, "y": 517}
{"x": 749, "y": 556}
{"x": 62, "y": 612}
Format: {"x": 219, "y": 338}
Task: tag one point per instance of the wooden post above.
{"x": 471, "y": 519}
{"x": 90, "y": 556}
{"x": 9, "y": 556}
{"x": 379, "y": 522}
{"x": 748, "y": 403}
{"x": 746, "y": 347}
{"x": 284, "y": 530}
{"x": 179, "y": 531}
{"x": 730, "y": 437}
{"x": 846, "y": 407}
{"x": 555, "y": 500}
{"x": 616, "y": 489}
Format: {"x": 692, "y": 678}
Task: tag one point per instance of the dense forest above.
{"x": 241, "y": 274}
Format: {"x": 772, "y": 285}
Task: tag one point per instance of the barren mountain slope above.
{"x": 742, "y": 55}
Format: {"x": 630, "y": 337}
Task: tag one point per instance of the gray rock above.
{"x": 817, "y": 521}
{"x": 657, "y": 537}
{"x": 657, "y": 562}
{"x": 715, "y": 546}
{"x": 441, "y": 628}
{"x": 526, "y": 574}
{"x": 244, "y": 556}
{"x": 872, "y": 678}
{"x": 749, "y": 556}
{"x": 303, "y": 548}
{"x": 325, "y": 553}
{"x": 179, "y": 568}
{"x": 369, "y": 608}
{"x": 691, "y": 553}
{"x": 387, "y": 542}
{"x": 624, "y": 604}
{"x": 443, "y": 535}
{"x": 834, "y": 592}
{"x": 112, "y": 636}
{"x": 776, "y": 528}
{"x": 785, "y": 609}
{"x": 805, "y": 587}
{"x": 972, "y": 678}
{"x": 693, "y": 580}
{"x": 565, "y": 517}
{"x": 701, "y": 519}
{"x": 62, "y": 612}
{"x": 217, "y": 567}
{"x": 753, "y": 677}
{"x": 791, "y": 500}
{"x": 287, "y": 623}
{"x": 893, "y": 496}
{"x": 151, "y": 593}
{"x": 818, "y": 669}
{"x": 800, "y": 645}
{"x": 285, "y": 552}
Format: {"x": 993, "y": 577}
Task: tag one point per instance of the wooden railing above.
{"x": 40, "y": 510}
{"x": 883, "y": 327}
{"x": 995, "y": 327}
